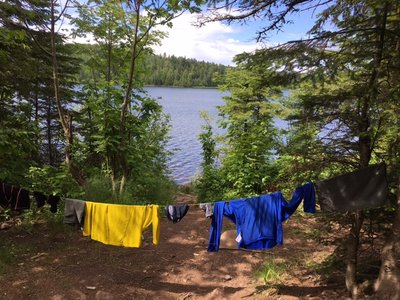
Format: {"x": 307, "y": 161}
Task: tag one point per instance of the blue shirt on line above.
{"x": 259, "y": 219}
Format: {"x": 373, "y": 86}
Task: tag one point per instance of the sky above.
{"x": 219, "y": 43}
{"x": 214, "y": 42}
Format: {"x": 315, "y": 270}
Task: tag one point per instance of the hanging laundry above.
{"x": 207, "y": 208}
{"x": 259, "y": 219}
{"x": 120, "y": 225}
{"x": 40, "y": 198}
{"x": 14, "y": 197}
{"x": 175, "y": 213}
{"x": 74, "y": 212}
{"x": 365, "y": 188}
{"x": 53, "y": 201}
{"x": 22, "y": 200}
{"x": 6, "y": 195}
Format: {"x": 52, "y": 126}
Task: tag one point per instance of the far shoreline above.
{"x": 182, "y": 87}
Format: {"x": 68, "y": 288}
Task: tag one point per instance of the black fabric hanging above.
{"x": 14, "y": 197}
{"x": 40, "y": 198}
{"x": 175, "y": 213}
{"x": 364, "y": 188}
{"x": 53, "y": 201}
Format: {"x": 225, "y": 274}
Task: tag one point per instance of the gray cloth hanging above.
{"x": 74, "y": 212}
{"x": 208, "y": 208}
{"x": 364, "y": 188}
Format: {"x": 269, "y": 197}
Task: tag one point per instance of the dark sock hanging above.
{"x": 53, "y": 201}
{"x": 40, "y": 198}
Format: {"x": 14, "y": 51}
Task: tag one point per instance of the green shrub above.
{"x": 98, "y": 189}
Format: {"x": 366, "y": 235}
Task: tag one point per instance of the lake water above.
{"x": 184, "y": 106}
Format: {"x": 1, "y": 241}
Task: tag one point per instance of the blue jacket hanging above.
{"x": 259, "y": 219}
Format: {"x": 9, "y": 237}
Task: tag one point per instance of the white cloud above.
{"x": 212, "y": 42}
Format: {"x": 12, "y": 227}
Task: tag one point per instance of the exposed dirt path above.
{"x": 69, "y": 266}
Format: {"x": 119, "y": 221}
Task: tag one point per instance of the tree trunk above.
{"x": 122, "y": 184}
{"x": 365, "y": 150}
{"x": 114, "y": 186}
{"x": 36, "y": 100}
{"x": 111, "y": 166}
{"x": 352, "y": 246}
{"x": 49, "y": 136}
{"x": 387, "y": 286}
{"x": 126, "y": 102}
{"x": 132, "y": 68}
{"x": 66, "y": 121}
{"x": 353, "y": 240}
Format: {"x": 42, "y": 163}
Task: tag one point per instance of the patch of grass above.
{"x": 9, "y": 253}
{"x": 307, "y": 233}
{"x": 316, "y": 260}
{"x": 6, "y": 257}
{"x": 330, "y": 264}
{"x": 55, "y": 222}
{"x": 273, "y": 271}
{"x": 31, "y": 218}
{"x": 314, "y": 233}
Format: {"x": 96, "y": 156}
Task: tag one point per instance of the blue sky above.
{"x": 219, "y": 43}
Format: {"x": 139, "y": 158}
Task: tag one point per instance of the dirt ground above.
{"x": 66, "y": 265}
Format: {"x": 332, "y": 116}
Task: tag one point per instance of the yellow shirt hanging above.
{"x": 120, "y": 225}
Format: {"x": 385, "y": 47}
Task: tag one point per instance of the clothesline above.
{"x": 258, "y": 219}
{"x": 365, "y": 188}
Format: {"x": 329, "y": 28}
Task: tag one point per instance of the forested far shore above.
{"x": 168, "y": 70}
{"x": 164, "y": 70}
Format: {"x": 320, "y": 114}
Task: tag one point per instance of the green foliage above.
{"x": 185, "y": 188}
{"x": 50, "y": 180}
{"x": 34, "y": 218}
{"x": 343, "y": 92}
{"x": 5, "y": 214}
{"x": 209, "y": 186}
{"x": 29, "y": 128}
{"x": 208, "y": 143}
{"x": 130, "y": 151}
{"x": 16, "y": 145}
{"x": 147, "y": 158}
{"x": 55, "y": 221}
{"x": 150, "y": 188}
{"x": 106, "y": 149}
{"x": 344, "y": 84}
{"x": 180, "y": 72}
{"x": 247, "y": 167}
{"x": 98, "y": 188}
{"x": 250, "y": 140}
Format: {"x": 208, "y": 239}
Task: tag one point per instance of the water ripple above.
{"x": 184, "y": 106}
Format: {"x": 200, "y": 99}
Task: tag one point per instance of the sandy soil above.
{"x": 66, "y": 265}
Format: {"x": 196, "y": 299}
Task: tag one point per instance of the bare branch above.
{"x": 62, "y": 11}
